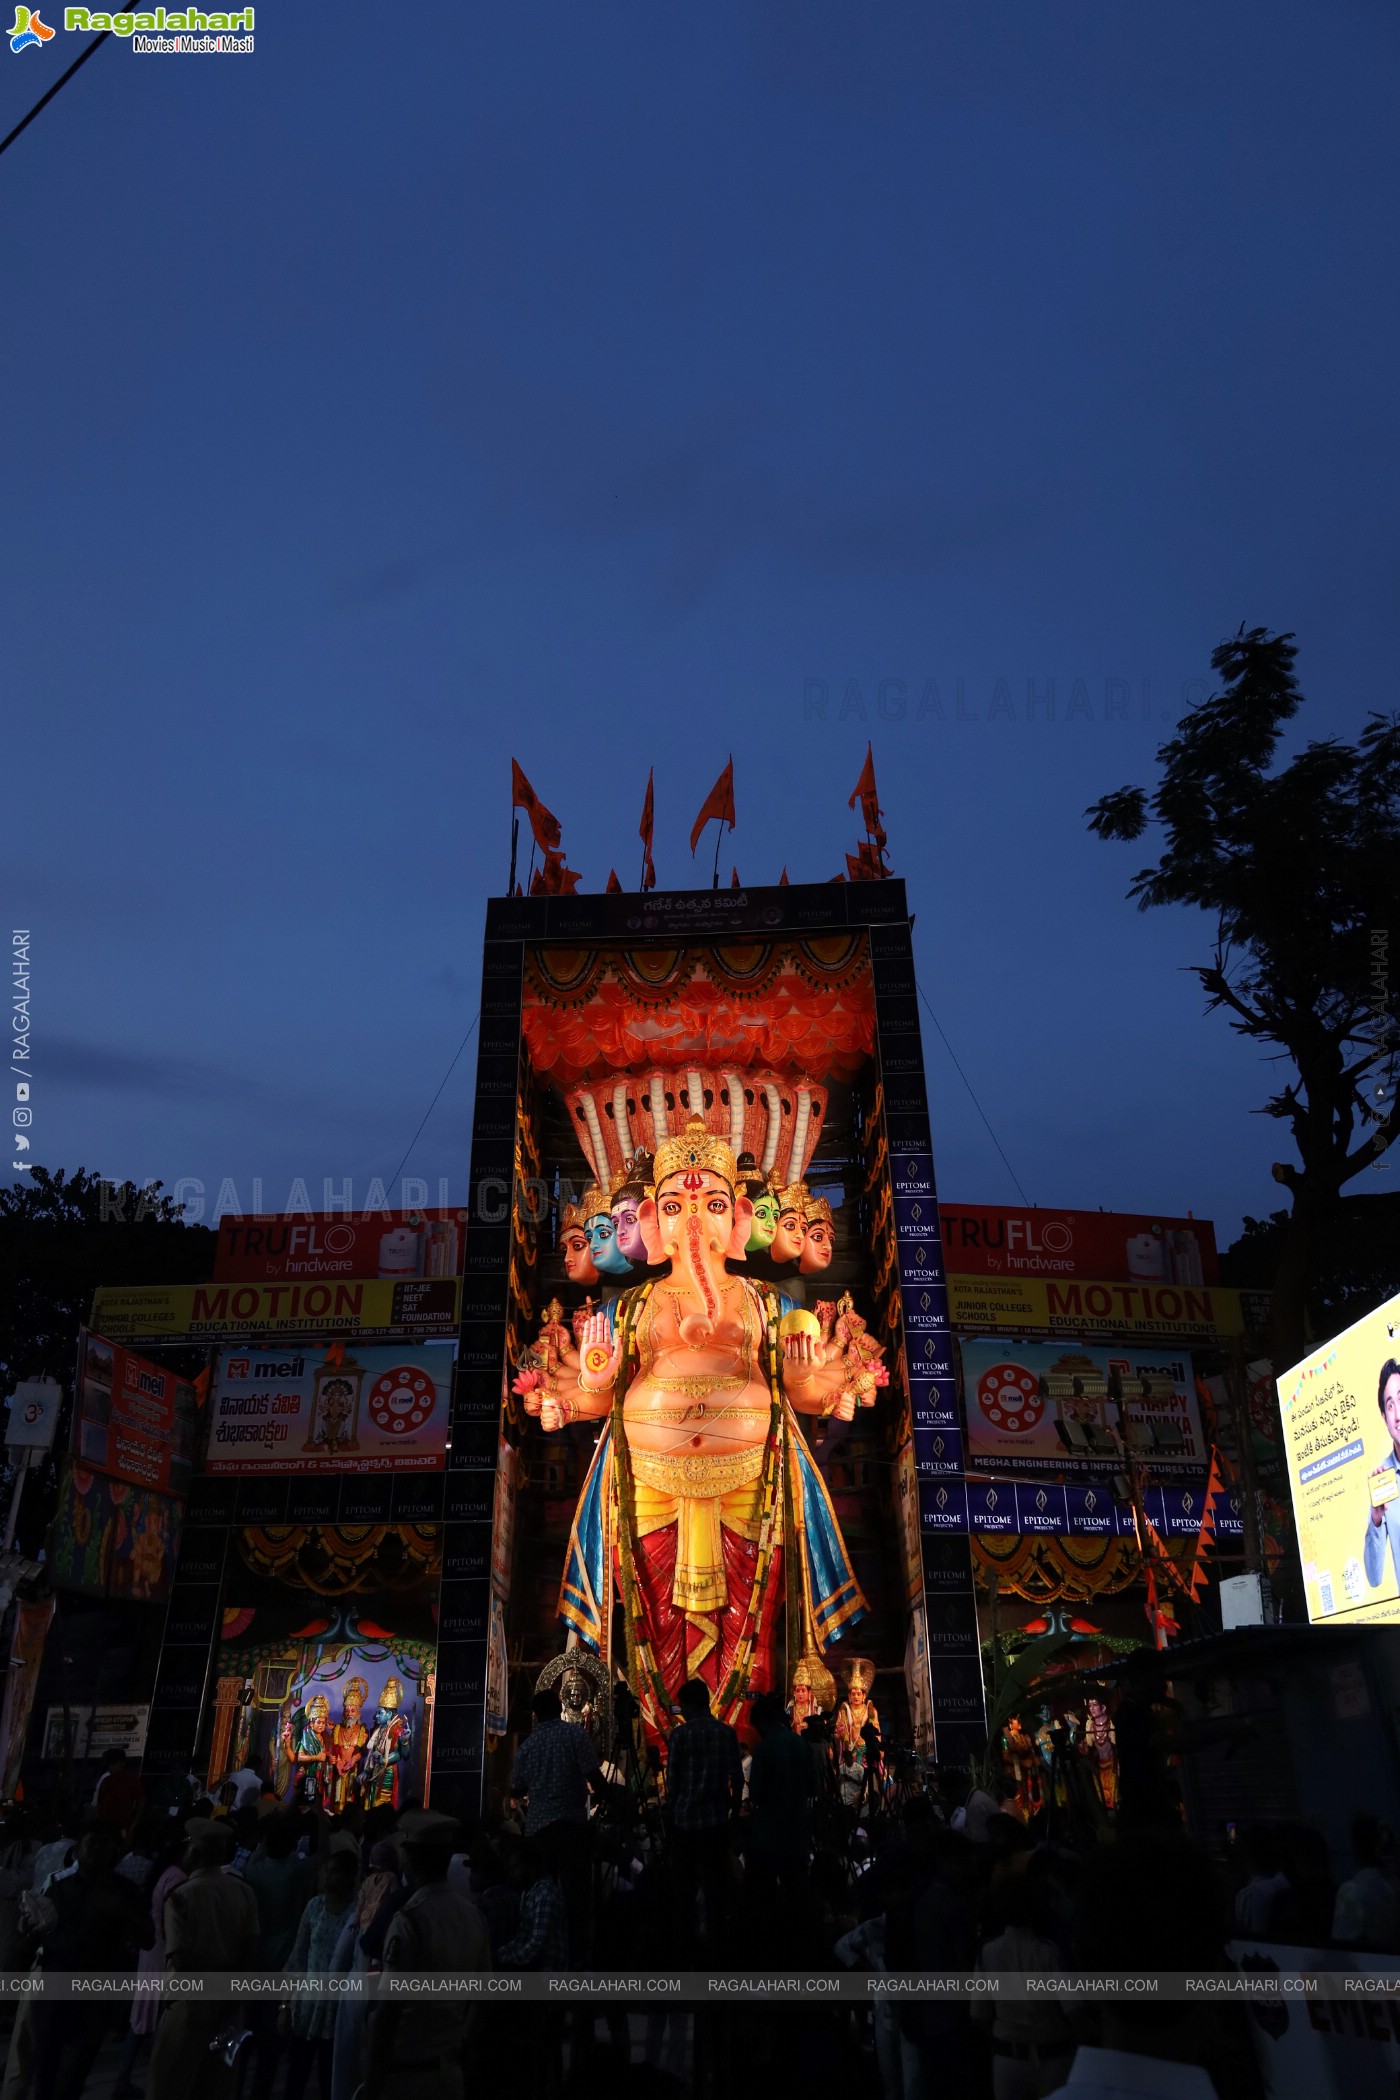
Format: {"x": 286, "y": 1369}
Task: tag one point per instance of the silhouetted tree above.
{"x": 1299, "y": 866}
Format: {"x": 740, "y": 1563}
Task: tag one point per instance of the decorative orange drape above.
{"x": 1050, "y": 1570}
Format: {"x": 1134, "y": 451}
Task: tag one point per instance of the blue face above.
{"x": 608, "y": 1257}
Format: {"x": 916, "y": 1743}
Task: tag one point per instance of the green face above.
{"x": 765, "y": 1224}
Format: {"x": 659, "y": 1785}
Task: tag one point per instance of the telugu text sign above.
{"x": 1340, "y": 1409}
{"x": 200, "y": 1311}
{"x": 332, "y": 1410}
{"x": 135, "y": 1419}
{"x": 1046, "y": 1404}
{"x": 1095, "y": 1309}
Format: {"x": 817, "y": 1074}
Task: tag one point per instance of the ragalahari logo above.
{"x": 29, "y": 32}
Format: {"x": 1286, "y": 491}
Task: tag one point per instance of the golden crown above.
{"x": 794, "y": 1197}
{"x": 860, "y": 1674}
{"x": 356, "y": 1689}
{"x": 695, "y": 1150}
{"x": 392, "y": 1694}
{"x": 818, "y": 1211}
{"x": 596, "y": 1201}
{"x": 572, "y": 1218}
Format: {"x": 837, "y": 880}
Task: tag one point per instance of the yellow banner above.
{"x": 203, "y": 1311}
{"x": 1341, "y": 1430}
{"x": 1094, "y": 1311}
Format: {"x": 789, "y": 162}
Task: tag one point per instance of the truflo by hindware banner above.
{"x": 1341, "y": 1431}
{"x": 1125, "y": 1246}
{"x": 391, "y": 1245}
{"x": 1051, "y": 1404}
{"x": 330, "y": 1410}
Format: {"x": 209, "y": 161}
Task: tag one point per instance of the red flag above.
{"x": 782, "y": 879}
{"x": 865, "y": 793}
{"x": 734, "y": 879}
{"x": 614, "y": 887}
{"x": 543, "y": 823}
{"x": 718, "y": 803}
{"x": 554, "y": 879}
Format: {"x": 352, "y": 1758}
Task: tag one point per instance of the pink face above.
{"x": 790, "y": 1235}
{"x": 702, "y": 1197}
{"x": 578, "y": 1261}
{"x": 818, "y": 1246}
{"x": 629, "y": 1235}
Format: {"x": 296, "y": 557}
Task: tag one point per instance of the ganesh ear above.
{"x": 649, "y": 1226}
{"x": 743, "y": 1226}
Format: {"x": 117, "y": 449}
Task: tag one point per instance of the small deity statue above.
{"x": 387, "y": 1749}
{"x": 790, "y": 1232}
{"x": 856, "y": 1712}
{"x": 347, "y": 1741}
{"x": 1099, "y": 1743}
{"x": 337, "y": 1406}
{"x": 576, "y": 1699}
{"x": 764, "y": 1197}
{"x": 304, "y": 1742}
{"x": 813, "y": 1690}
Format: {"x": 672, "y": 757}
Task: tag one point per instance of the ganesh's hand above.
{"x": 529, "y": 1386}
{"x": 803, "y": 1357}
{"x": 599, "y": 1355}
{"x": 551, "y": 1416}
{"x": 845, "y": 1409}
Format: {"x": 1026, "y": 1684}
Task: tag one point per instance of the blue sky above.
{"x": 614, "y": 387}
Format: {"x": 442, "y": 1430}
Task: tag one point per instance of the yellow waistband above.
{"x": 691, "y": 1474}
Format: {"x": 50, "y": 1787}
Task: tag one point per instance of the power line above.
{"x": 436, "y": 1097}
{"x": 62, "y": 80}
{"x": 975, "y": 1102}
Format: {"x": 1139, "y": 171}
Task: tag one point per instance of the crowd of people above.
{"x": 748, "y": 1860}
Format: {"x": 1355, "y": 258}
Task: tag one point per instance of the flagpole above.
{"x": 719, "y": 834}
{"x": 514, "y": 843}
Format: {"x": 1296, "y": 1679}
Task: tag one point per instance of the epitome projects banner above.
{"x": 1341, "y": 1431}
{"x": 330, "y": 1410}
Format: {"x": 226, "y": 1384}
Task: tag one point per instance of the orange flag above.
{"x": 865, "y": 794}
{"x": 734, "y": 883}
{"x": 645, "y": 832}
{"x": 613, "y": 887}
{"x": 554, "y": 879}
{"x": 718, "y": 803}
{"x": 543, "y": 823}
{"x": 782, "y": 879}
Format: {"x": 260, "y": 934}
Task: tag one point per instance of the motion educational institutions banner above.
{"x": 1097, "y": 1309}
{"x": 363, "y": 1307}
{"x": 330, "y": 1410}
{"x": 1341, "y": 1432}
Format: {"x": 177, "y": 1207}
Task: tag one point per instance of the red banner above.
{"x": 304, "y": 1247}
{"x": 136, "y": 1420}
{"x": 1114, "y": 1246}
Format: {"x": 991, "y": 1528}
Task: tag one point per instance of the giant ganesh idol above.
{"x": 703, "y": 1500}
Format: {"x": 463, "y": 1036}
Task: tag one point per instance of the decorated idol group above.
{"x": 703, "y": 1507}
{"x": 343, "y": 1764}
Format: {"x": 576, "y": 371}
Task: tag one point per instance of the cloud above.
{"x": 100, "y": 1069}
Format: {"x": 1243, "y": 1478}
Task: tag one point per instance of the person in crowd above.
{"x": 1266, "y": 1896}
{"x": 555, "y": 1769}
{"x": 1150, "y": 1900}
{"x": 247, "y": 1785}
{"x": 269, "y": 1801}
{"x": 1367, "y": 1913}
{"x": 19, "y": 1854}
{"x": 704, "y": 1787}
{"x": 312, "y": 2023}
{"x": 167, "y": 1843}
{"x": 59, "y": 1850}
{"x": 281, "y": 1882}
{"x": 119, "y": 1792}
{"x": 211, "y": 1922}
{"x": 225, "y": 1800}
{"x": 1031, "y": 2043}
{"x": 782, "y": 1782}
{"x": 88, "y": 1920}
{"x": 246, "y": 1827}
{"x": 415, "y": 2050}
{"x": 541, "y": 1939}
{"x": 382, "y": 1881}
{"x": 929, "y": 1929}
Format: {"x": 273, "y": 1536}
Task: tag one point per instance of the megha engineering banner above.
{"x": 1341, "y": 1433}
{"x": 330, "y": 1410}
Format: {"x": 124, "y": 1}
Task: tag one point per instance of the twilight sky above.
{"x": 615, "y": 386}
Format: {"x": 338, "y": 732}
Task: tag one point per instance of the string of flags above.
{"x": 553, "y": 877}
